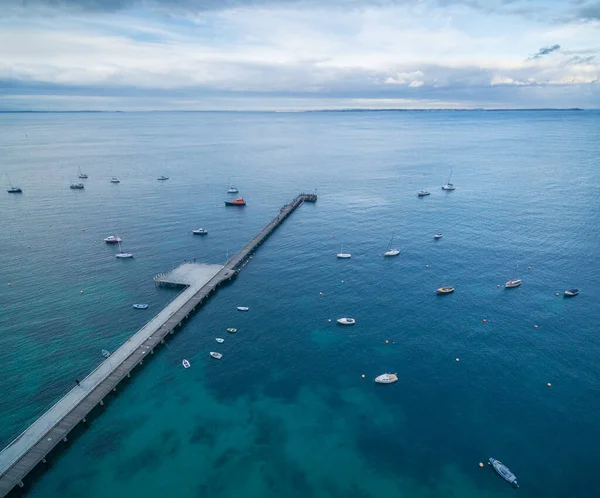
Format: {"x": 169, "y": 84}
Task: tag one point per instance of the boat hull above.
{"x": 512, "y": 283}
{"x": 386, "y": 378}
{"x": 346, "y": 321}
{"x": 503, "y": 471}
{"x": 445, "y": 290}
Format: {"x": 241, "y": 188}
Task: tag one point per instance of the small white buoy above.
{"x": 557, "y": 293}
{"x": 426, "y": 266}
{"x": 480, "y": 464}
{"x": 498, "y": 286}
{"x": 81, "y": 292}
{"x": 28, "y": 247}
{"x": 549, "y": 385}
{"x": 484, "y": 320}
{"x": 387, "y": 342}
{"x": 9, "y": 284}
{"x": 535, "y": 326}
{"x": 363, "y": 376}
{"x": 457, "y": 359}
{"x": 329, "y": 320}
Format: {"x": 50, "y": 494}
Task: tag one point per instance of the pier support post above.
{"x": 85, "y": 422}
{"x": 162, "y": 341}
{"x": 65, "y": 439}
{"x": 141, "y": 362}
{"x": 129, "y": 375}
{"x": 114, "y": 389}
{"x": 21, "y": 485}
{"x": 45, "y": 462}
{"x": 101, "y": 402}
{"x": 152, "y": 351}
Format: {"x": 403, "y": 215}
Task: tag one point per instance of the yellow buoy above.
{"x": 480, "y": 464}
{"x": 549, "y": 385}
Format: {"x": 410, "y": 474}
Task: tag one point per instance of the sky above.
{"x": 294, "y": 55}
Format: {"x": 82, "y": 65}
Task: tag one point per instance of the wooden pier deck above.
{"x": 33, "y": 446}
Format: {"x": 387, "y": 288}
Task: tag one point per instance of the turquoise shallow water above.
{"x": 286, "y": 412}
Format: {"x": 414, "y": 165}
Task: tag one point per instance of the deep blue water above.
{"x": 286, "y": 411}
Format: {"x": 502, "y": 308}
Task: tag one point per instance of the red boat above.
{"x": 236, "y": 202}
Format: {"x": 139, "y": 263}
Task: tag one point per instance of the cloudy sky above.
{"x": 298, "y": 54}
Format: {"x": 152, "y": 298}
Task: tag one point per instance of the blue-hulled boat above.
{"x": 502, "y": 471}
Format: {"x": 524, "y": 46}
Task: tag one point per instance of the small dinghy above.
{"x": 243, "y": 308}
{"x": 571, "y": 292}
{"x": 386, "y": 378}
{"x": 200, "y": 231}
{"x": 219, "y": 340}
{"x": 114, "y": 179}
{"x": 232, "y": 190}
{"x": 438, "y": 236}
{"x": 140, "y": 306}
{"x": 445, "y": 290}
{"x": 105, "y": 353}
{"x": 346, "y": 321}
{"x": 422, "y": 193}
{"x": 502, "y": 471}
{"x": 216, "y": 356}
{"x": 112, "y": 239}
{"x": 163, "y": 177}
{"x": 186, "y": 364}
{"x": 231, "y": 330}
{"x": 513, "y": 283}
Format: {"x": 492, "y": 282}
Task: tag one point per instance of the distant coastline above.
{"x": 307, "y": 110}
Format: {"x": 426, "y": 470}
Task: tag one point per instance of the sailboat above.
{"x": 448, "y": 185}
{"x": 83, "y": 176}
{"x": 343, "y": 255}
{"x": 231, "y": 189}
{"x": 513, "y": 282}
{"x": 122, "y": 254}
{"x": 390, "y": 251}
{"x": 12, "y": 189}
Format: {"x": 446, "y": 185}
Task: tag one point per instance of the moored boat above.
{"x": 220, "y": 340}
{"x": 346, "y": 321}
{"x": 422, "y": 193}
{"x": 342, "y": 254}
{"x": 438, "y": 236}
{"x": 502, "y": 471}
{"x": 232, "y": 190}
{"x": 77, "y": 186}
{"x": 391, "y": 252}
{"x": 163, "y": 177}
{"x": 105, "y": 353}
{"x": 386, "y": 378}
{"x": 215, "y": 355}
{"x": 242, "y": 308}
{"x": 112, "y": 239}
{"x": 513, "y": 283}
{"x": 186, "y": 364}
{"x": 200, "y": 231}
{"x": 448, "y": 185}
{"x": 140, "y": 306}
{"x": 236, "y": 202}
{"x": 446, "y": 289}
{"x": 81, "y": 175}
{"x": 571, "y": 292}
{"x": 122, "y": 254}
{"x": 114, "y": 179}
{"x": 14, "y": 190}
{"x": 232, "y": 330}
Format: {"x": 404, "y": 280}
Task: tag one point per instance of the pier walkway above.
{"x": 33, "y": 446}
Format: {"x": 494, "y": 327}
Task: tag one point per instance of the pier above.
{"x": 34, "y": 445}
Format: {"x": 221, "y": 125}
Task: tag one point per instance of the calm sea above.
{"x": 286, "y": 412}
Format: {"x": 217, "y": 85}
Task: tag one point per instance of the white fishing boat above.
{"x": 112, "y": 239}
{"x": 186, "y": 364}
{"x": 391, "y": 252}
{"x": 386, "y": 378}
{"x": 220, "y": 340}
{"x": 448, "y": 185}
{"x": 342, "y": 254}
{"x": 217, "y": 356}
{"x": 438, "y": 236}
{"x": 200, "y": 231}
{"x": 346, "y": 321}
{"x": 122, "y": 254}
{"x": 231, "y": 330}
{"x": 114, "y": 179}
{"x": 140, "y": 306}
{"x": 81, "y": 175}
{"x": 242, "y": 308}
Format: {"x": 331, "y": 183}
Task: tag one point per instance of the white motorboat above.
{"x": 114, "y": 179}
{"x": 386, "y": 378}
{"x": 219, "y": 340}
{"x": 122, "y": 254}
{"x": 231, "y": 330}
{"x": 438, "y": 236}
{"x": 232, "y": 190}
{"x": 217, "y": 356}
{"x": 513, "y": 283}
{"x": 391, "y": 252}
{"x": 422, "y": 193}
{"x": 200, "y": 231}
{"x": 242, "y": 308}
{"x": 112, "y": 239}
{"x": 186, "y": 364}
{"x": 140, "y": 306}
{"x": 83, "y": 176}
{"x": 105, "y": 353}
{"x": 163, "y": 177}
{"x": 346, "y": 321}
{"x": 448, "y": 185}
{"x": 343, "y": 255}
